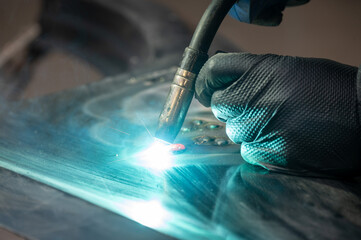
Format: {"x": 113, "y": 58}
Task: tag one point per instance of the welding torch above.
{"x": 195, "y": 55}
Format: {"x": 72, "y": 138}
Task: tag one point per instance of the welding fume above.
{"x": 290, "y": 114}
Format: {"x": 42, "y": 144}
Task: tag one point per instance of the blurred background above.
{"x": 322, "y": 28}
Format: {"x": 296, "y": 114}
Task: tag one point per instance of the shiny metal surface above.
{"x": 186, "y": 74}
{"x": 86, "y": 141}
{"x": 34, "y": 210}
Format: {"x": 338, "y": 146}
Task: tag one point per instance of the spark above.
{"x": 119, "y": 130}
{"x": 145, "y": 126}
{"x": 118, "y": 160}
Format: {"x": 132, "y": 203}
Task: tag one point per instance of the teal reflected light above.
{"x": 148, "y": 213}
{"x": 158, "y": 156}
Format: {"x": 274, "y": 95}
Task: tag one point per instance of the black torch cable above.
{"x": 204, "y": 35}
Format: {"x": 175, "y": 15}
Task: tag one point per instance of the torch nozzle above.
{"x": 176, "y": 106}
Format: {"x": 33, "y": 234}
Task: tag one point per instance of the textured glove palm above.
{"x": 289, "y": 113}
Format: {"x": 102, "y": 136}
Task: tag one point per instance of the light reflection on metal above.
{"x": 185, "y": 129}
{"x": 197, "y": 122}
{"x": 221, "y": 141}
{"x": 213, "y": 126}
{"x": 148, "y": 213}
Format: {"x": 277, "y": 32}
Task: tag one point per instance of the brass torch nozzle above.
{"x": 176, "y": 106}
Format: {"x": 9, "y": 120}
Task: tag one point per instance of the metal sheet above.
{"x": 86, "y": 142}
{"x": 37, "y": 211}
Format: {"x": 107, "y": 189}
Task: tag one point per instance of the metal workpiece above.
{"x": 176, "y": 106}
{"x": 80, "y": 142}
{"x": 211, "y": 140}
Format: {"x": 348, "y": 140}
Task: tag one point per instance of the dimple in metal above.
{"x": 213, "y": 126}
{"x": 197, "y": 122}
{"x": 210, "y": 140}
{"x": 199, "y": 125}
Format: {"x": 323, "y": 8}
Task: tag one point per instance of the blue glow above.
{"x": 158, "y": 156}
{"x": 148, "y": 213}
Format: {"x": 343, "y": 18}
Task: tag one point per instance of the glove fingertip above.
{"x": 205, "y": 101}
{"x": 246, "y": 152}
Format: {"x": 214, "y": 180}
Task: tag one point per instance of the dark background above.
{"x": 322, "y": 28}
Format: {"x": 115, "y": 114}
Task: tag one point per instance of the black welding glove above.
{"x": 262, "y": 12}
{"x": 289, "y": 113}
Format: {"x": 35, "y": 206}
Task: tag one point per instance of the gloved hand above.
{"x": 262, "y": 12}
{"x": 289, "y": 113}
